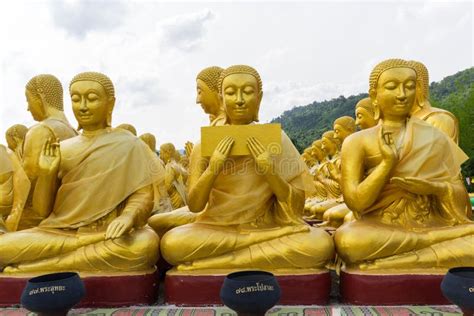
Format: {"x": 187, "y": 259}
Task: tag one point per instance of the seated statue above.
{"x": 96, "y": 196}
{"x": 175, "y": 176}
{"x": 401, "y": 180}
{"x": 331, "y": 145}
{"x": 364, "y": 112}
{"x": 14, "y": 189}
{"x": 44, "y": 94}
{"x": 319, "y": 173}
{"x": 249, "y": 216}
{"x": 422, "y": 109}
{"x": 128, "y": 127}
{"x": 15, "y": 137}
{"x": 161, "y": 199}
{"x": 208, "y": 95}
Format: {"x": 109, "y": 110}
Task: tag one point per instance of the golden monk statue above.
{"x": 94, "y": 219}
{"x": 249, "y": 207}
{"x": 128, "y": 127}
{"x": 422, "y": 109}
{"x": 44, "y": 94}
{"x": 331, "y": 145}
{"x": 14, "y": 189}
{"x": 319, "y": 173}
{"x": 161, "y": 199}
{"x": 364, "y": 112}
{"x": 401, "y": 180}
{"x": 208, "y": 95}
{"x": 175, "y": 176}
{"x": 15, "y": 137}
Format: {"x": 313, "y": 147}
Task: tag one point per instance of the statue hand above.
{"x": 418, "y": 186}
{"x": 188, "y": 147}
{"x": 12, "y": 221}
{"x": 387, "y": 148}
{"x": 50, "y": 157}
{"x": 220, "y": 154}
{"x": 262, "y": 157}
{"x": 119, "y": 226}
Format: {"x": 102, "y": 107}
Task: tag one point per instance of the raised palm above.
{"x": 50, "y": 157}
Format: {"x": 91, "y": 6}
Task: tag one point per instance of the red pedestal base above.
{"x": 200, "y": 290}
{"x": 400, "y": 289}
{"x": 101, "y": 291}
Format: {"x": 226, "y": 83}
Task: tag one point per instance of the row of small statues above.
{"x": 83, "y": 201}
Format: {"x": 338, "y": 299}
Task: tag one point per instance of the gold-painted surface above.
{"x": 410, "y": 204}
{"x": 175, "y": 176}
{"x": 269, "y": 136}
{"x": 96, "y": 196}
{"x": 207, "y": 95}
{"x": 248, "y": 208}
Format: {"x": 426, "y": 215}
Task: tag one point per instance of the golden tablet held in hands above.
{"x": 94, "y": 219}
{"x": 410, "y": 203}
{"x": 250, "y": 215}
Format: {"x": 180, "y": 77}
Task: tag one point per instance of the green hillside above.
{"x": 455, "y": 93}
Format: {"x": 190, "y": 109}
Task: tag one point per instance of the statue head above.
{"x": 364, "y": 112}
{"x": 329, "y": 143}
{"x": 15, "y": 136}
{"x": 167, "y": 152}
{"x": 308, "y": 157}
{"x": 392, "y": 88}
{"x": 93, "y": 100}
{"x": 422, "y": 86}
{"x": 317, "y": 150}
{"x": 44, "y": 93}
{"x": 150, "y": 140}
{"x": 128, "y": 127}
{"x": 240, "y": 88}
{"x": 207, "y": 89}
{"x": 343, "y": 127}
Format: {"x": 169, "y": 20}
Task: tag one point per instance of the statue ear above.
{"x": 260, "y": 96}
{"x": 110, "y": 109}
{"x": 376, "y": 110}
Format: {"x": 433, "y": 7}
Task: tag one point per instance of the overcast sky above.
{"x": 152, "y": 51}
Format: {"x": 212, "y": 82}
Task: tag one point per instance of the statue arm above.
{"x": 139, "y": 205}
{"x": 446, "y": 124}
{"x": 34, "y": 141}
{"x": 359, "y": 192}
{"x": 204, "y": 173}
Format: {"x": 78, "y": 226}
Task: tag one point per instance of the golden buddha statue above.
{"x": 208, "y": 95}
{"x": 15, "y": 137}
{"x": 44, "y": 94}
{"x": 320, "y": 173}
{"x": 401, "y": 180}
{"x": 250, "y": 217}
{"x": 14, "y": 189}
{"x": 175, "y": 176}
{"x": 94, "y": 220}
{"x": 364, "y": 112}
{"x": 128, "y": 127}
{"x": 162, "y": 202}
{"x": 330, "y": 144}
{"x": 422, "y": 109}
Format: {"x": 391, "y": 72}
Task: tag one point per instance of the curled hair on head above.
{"x": 48, "y": 88}
{"x": 347, "y": 122}
{"x": 210, "y": 76}
{"x": 149, "y": 139}
{"x": 366, "y": 104}
{"x": 168, "y": 147}
{"x": 388, "y": 64}
{"x": 128, "y": 127}
{"x": 98, "y": 77}
{"x": 17, "y": 130}
{"x": 240, "y": 69}
{"x": 422, "y": 82}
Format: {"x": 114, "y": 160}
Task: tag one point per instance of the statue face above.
{"x": 35, "y": 106}
{"x": 396, "y": 91}
{"x": 165, "y": 155}
{"x": 328, "y": 146}
{"x": 207, "y": 98}
{"x": 90, "y": 104}
{"x": 340, "y": 132}
{"x": 364, "y": 119}
{"x": 241, "y": 98}
{"x": 316, "y": 152}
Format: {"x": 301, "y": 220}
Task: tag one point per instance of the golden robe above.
{"x": 102, "y": 176}
{"x": 243, "y": 224}
{"x": 435, "y": 230}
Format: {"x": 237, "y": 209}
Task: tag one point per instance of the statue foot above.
{"x": 10, "y": 270}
